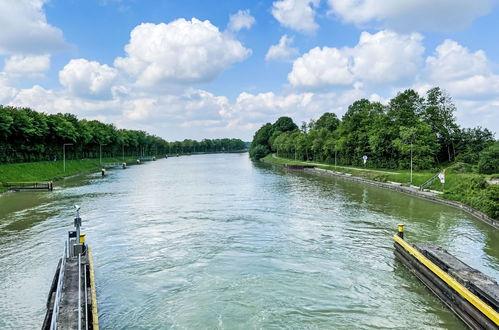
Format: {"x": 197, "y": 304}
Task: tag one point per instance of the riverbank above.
{"x": 461, "y": 190}
{"x": 53, "y": 170}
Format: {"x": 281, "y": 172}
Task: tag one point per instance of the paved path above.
{"x": 350, "y": 168}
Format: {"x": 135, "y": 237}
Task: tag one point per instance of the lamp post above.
{"x": 100, "y": 152}
{"x": 411, "y": 161}
{"x": 64, "y": 154}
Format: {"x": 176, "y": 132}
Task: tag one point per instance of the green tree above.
{"x": 489, "y": 159}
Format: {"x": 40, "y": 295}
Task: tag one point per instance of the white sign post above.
{"x": 365, "y": 160}
{"x": 441, "y": 176}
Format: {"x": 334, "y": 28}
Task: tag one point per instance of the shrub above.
{"x": 489, "y": 160}
{"x": 259, "y": 152}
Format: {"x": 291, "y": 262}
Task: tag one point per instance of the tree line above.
{"x": 27, "y": 136}
{"x": 387, "y": 134}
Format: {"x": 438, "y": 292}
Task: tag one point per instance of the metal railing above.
{"x": 86, "y": 297}
{"x": 79, "y": 291}
{"x": 82, "y": 287}
{"x": 58, "y": 291}
{"x": 30, "y": 185}
{"x": 428, "y": 182}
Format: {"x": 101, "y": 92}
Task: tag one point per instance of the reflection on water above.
{"x": 214, "y": 241}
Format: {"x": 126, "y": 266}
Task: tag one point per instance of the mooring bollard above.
{"x": 138, "y": 161}
{"x": 123, "y": 165}
{"x": 103, "y": 171}
{"x": 401, "y": 231}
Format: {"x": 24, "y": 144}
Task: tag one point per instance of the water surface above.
{"x": 215, "y": 241}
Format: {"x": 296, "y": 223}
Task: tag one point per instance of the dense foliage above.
{"x": 475, "y": 192}
{"x": 387, "y": 135}
{"x": 27, "y": 135}
{"x": 488, "y": 162}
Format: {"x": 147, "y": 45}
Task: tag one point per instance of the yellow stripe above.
{"x": 453, "y": 283}
{"x": 95, "y": 315}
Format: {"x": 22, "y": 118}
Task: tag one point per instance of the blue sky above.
{"x": 195, "y": 69}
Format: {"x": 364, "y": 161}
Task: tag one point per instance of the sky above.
{"x": 211, "y": 69}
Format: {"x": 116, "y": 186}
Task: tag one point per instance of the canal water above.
{"x": 218, "y": 242}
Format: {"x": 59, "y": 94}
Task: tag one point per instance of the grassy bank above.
{"x": 51, "y": 170}
{"x": 460, "y": 185}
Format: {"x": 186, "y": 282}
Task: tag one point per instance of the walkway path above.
{"x": 349, "y": 168}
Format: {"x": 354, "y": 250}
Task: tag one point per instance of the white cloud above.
{"x": 381, "y": 58}
{"x": 241, "y": 20}
{"x": 24, "y": 28}
{"x": 464, "y": 74}
{"x": 453, "y": 61}
{"x": 179, "y": 52}
{"x": 192, "y": 104}
{"x": 321, "y": 67}
{"x": 282, "y": 51}
{"x": 31, "y": 65}
{"x": 250, "y": 111}
{"x": 410, "y": 15}
{"x": 88, "y": 78}
{"x": 297, "y": 15}
{"x": 387, "y": 57}
{"x": 6, "y": 91}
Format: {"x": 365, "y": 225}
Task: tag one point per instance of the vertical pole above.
{"x": 100, "y": 153}
{"x": 64, "y": 156}
{"x": 79, "y": 291}
{"x": 123, "y": 152}
{"x": 335, "y": 152}
{"x": 411, "y": 162}
{"x": 401, "y": 231}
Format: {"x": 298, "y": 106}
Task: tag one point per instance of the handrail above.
{"x": 57, "y": 300}
{"x": 16, "y": 182}
{"x": 79, "y": 291}
{"x": 428, "y": 182}
{"x": 86, "y": 298}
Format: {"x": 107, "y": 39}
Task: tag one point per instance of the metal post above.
{"x": 86, "y": 298}
{"x": 64, "y": 154}
{"x": 401, "y": 231}
{"x": 77, "y": 223}
{"x": 79, "y": 291}
{"x": 411, "y": 162}
{"x": 100, "y": 152}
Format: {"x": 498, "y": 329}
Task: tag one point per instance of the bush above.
{"x": 477, "y": 193}
{"x": 489, "y": 160}
{"x": 259, "y": 152}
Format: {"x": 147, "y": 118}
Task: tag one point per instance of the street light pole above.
{"x": 411, "y": 162}
{"x": 64, "y": 154}
{"x": 100, "y": 152}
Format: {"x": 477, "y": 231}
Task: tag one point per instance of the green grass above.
{"x": 51, "y": 170}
